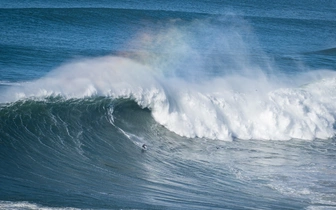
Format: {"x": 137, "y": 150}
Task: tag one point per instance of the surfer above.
{"x": 144, "y": 147}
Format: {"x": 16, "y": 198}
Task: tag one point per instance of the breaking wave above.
{"x": 222, "y": 93}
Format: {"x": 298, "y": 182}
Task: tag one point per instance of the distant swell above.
{"x": 330, "y": 51}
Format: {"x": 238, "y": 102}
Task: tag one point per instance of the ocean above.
{"x": 167, "y": 104}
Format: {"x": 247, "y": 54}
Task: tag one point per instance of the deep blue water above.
{"x": 235, "y": 101}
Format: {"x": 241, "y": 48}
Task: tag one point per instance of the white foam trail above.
{"x": 7, "y": 83}
{"x": 26, "y": 205}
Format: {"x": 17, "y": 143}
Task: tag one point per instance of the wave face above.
{"x": 87, "y": 153}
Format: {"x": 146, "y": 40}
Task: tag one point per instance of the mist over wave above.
{"x": 201, "y": 79}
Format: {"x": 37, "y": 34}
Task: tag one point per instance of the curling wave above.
{"x": 219, "y": 108}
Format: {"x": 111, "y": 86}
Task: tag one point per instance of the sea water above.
{"x": 234, "y": 100}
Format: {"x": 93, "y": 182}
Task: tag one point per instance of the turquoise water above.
{"x": 234, "y": 101}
